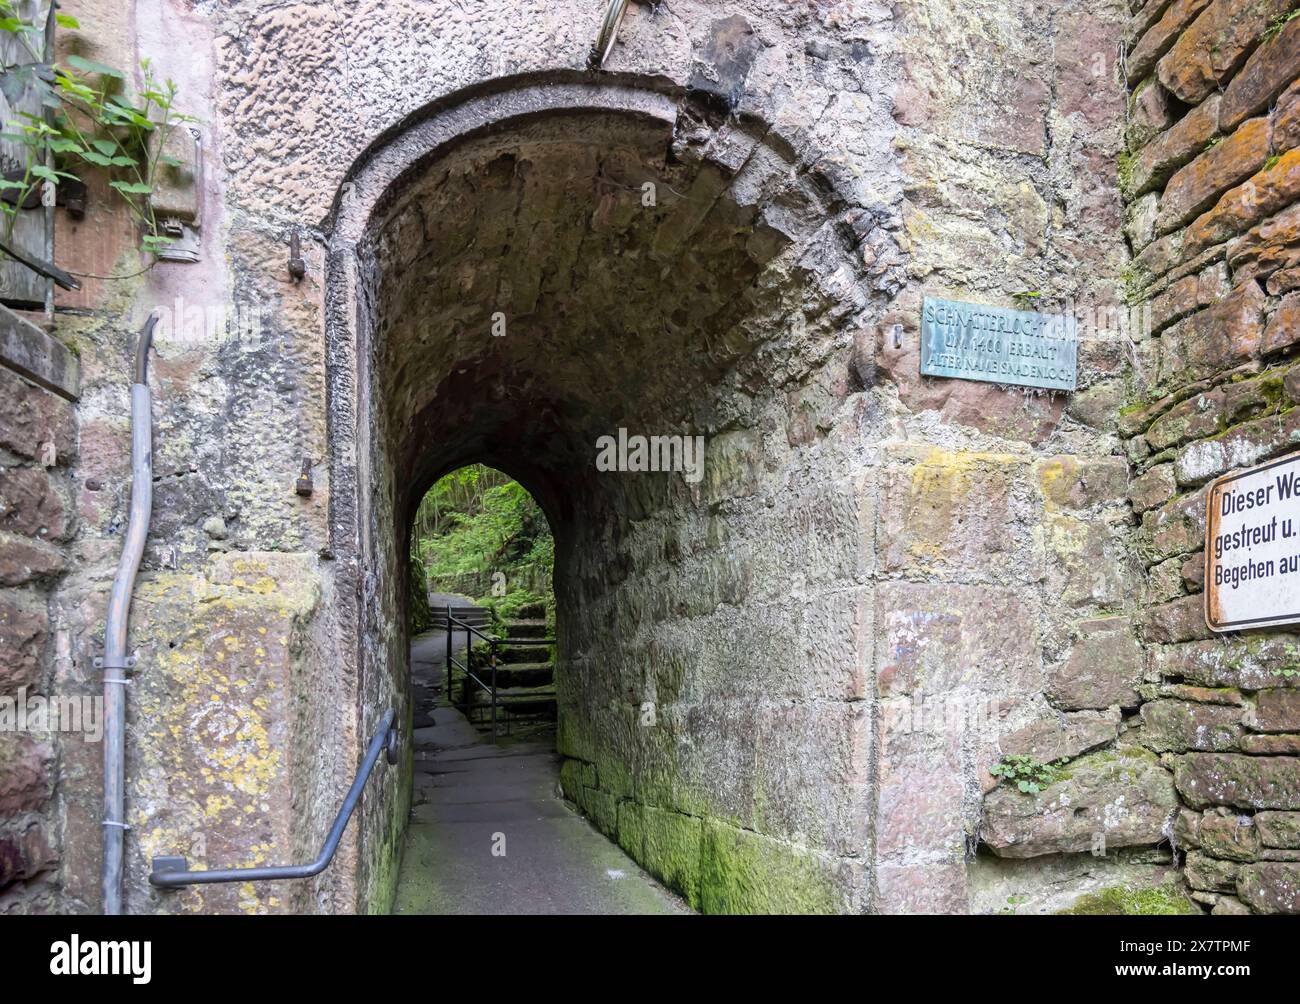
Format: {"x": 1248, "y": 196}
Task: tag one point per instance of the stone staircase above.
{"x": 474, "y": 616}
{"x": 525, "y": 675}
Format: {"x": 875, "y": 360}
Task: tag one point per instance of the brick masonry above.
{"x": 37, "y": 520}
{"x": 1211, "y": 178}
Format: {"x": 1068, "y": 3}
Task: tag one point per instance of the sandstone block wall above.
{"x": 1211, "y": 178}
{"x": 38, "y": 447}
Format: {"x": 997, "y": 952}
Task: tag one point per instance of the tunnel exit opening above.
{"x": 482, "y": 557}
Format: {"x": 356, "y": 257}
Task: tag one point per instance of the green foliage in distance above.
{"x": 479, "y": 521}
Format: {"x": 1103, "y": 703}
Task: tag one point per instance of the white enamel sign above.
{"x": 1252, "y": 547}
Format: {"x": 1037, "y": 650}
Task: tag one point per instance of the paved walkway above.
{"x": 474, "y": 797}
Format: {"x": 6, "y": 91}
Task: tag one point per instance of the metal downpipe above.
{"x": 115, "y": 663}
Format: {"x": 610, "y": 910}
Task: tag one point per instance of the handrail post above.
{"x": 448, "y": 653}
{"x": 492, "y": 648}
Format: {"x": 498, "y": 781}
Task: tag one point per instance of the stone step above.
{"x": 526, "y": 628}
{"x": 532, "y": 611}
{"x": 520, "y": 674}
{"x": 523, "y": 653}
{"x": 474, "y": 616}
{"x": 521, "y": 701}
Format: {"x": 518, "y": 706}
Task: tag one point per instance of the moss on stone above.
{"x": 1130, "y": 901}
{"x": 746, "y": 872}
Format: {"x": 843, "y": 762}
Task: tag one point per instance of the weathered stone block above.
{"x": 746, "y": 872}
{"x": 1266, "y": 74}
{"x": 1088, "y": 562}
{"x": 23, "y": 560}
{"x": 1271, "y": 745}
{"x": 1187, "y": 829}
{"x": 1246, "y": 782}
{"x": 1149, "y": 113}
{"x": 31, "y": 417}
{"x": 1081, "y": 482}
{"x": 1210, "y": 412}
{"x": 925, "y": 807}
{"x": 1283, "y": 281}
{"x": 1153, "y": 488}
{"x": 1283, "y": 329}
{"x": 1244, "y": 206}
{"x": 673, "y": 850}
{"x": 954, "y": 510}
{"x": 1218, "y": 338}
{"x": 1194, "y": 187}
{"x": 926, "y": 888}
{"x": 1240, "y": 446}
{"x": 1178, "y": 726}
{"x": 1278, "y": 829}
{"x": 939, "y": 638}
{"x": 1271, "y": 886}
{"x": 1174, "y": 148}
{"x": 1179, "y": 620}
{"x": 1124, "y": 797}
{"x": 26, "y": 778}
{"x": 1061, "y": 737}
{"x": 1210, "y": 874}
{"x": 1177, "y": 527}
{"x": 1277, "y": 711}
{"x": 1286, "y": 117}
{"x": 1140, "y": 220}
{"x": 1103, "y": 669}
{"x": 1215, "y": 45}
{"x": 1158, "y": 39}
{"x": 1271, "y": 245}
{"x": 1229, "y": 835}
{"x": 31, "y": 505}
{"x": 1189, "y": 294}
{"x": 23, "y": 631}
{"x": 1248, "y": 664}
{"x": 24, "y": 853}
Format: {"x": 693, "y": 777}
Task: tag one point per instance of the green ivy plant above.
{"x": 1026, "y": 773}
{"x": 88, "y": 119}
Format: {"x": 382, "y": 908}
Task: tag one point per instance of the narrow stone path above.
{"x": 489, "y": 833}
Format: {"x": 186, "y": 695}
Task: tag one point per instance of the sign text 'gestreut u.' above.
{"x": 1252, "y": 547}
{"x": 998, "y": 345}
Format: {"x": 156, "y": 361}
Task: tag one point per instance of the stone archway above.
{"x": 713, "y": 696}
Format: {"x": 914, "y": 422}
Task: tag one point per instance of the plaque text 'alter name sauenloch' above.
{"x": 998, "y": 345}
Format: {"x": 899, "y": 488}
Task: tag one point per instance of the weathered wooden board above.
{"x": 19, "y": 285}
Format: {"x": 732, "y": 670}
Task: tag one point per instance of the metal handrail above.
{"x": 169, "y": 872}
{"x": 492, "y": 641}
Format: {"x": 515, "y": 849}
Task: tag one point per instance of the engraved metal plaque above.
{"x": 974, "y": 341}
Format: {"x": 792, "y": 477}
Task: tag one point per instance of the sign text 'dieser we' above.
{"x": 1252, "y": 547}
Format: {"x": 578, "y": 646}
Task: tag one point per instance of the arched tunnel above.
{"x": 556, "y": 277}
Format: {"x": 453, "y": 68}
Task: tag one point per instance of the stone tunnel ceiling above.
{"x": 616, "y": 313}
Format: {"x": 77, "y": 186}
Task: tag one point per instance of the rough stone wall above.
{"x": 1006, "y": 587}
{"x": 1212, "y": 184}
{"x": 37, "y": 519}
{"x": 864, "y": 542}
